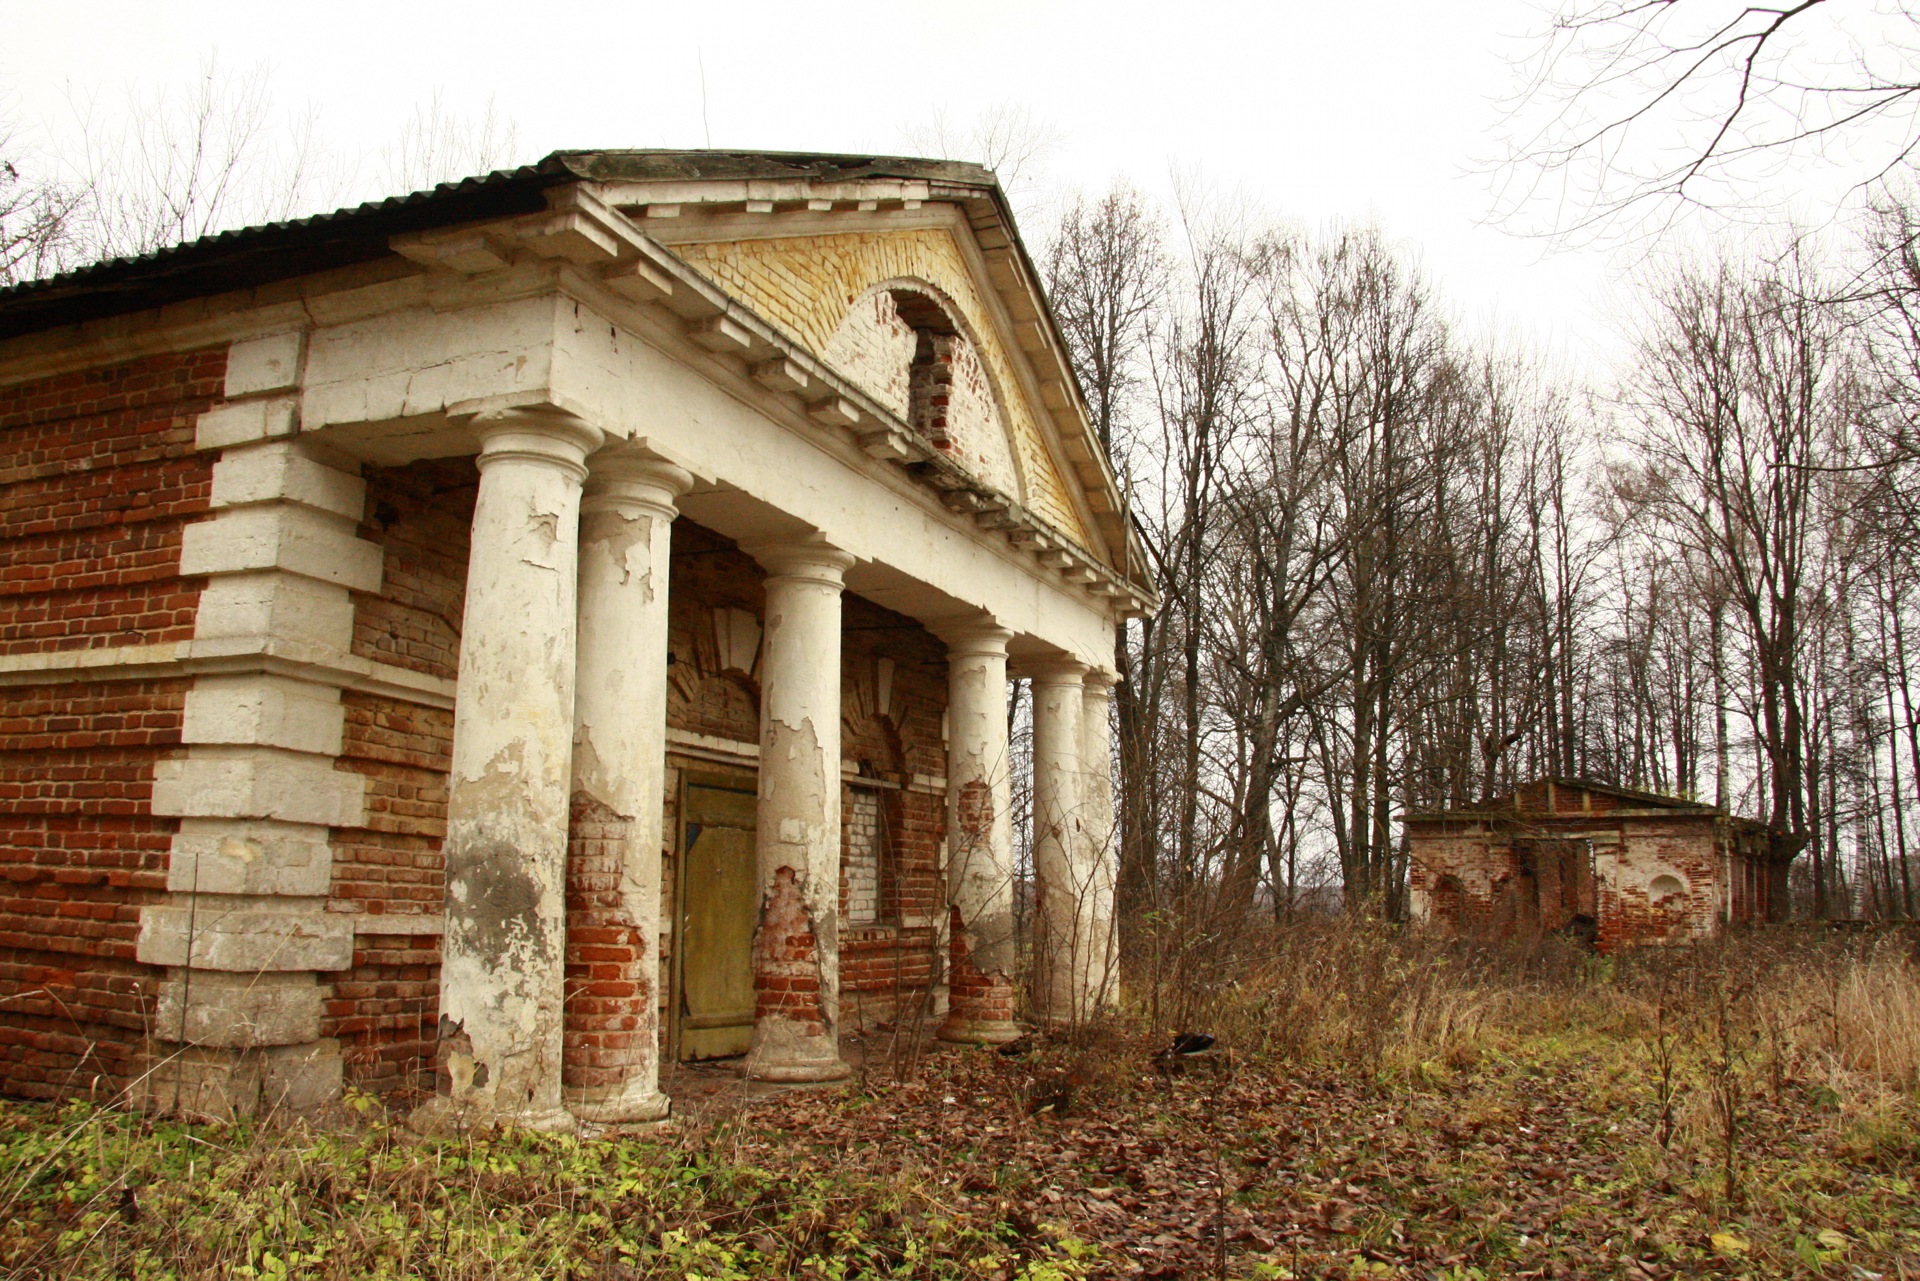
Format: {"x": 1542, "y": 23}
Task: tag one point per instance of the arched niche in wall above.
{"x": 902, "y": 341}
{"x": 1664, "y": 888}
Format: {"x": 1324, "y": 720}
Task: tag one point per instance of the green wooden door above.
{"x": 717, "y": 908}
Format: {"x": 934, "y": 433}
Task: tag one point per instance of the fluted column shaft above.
{"x": 506, "y": 844}
{"x": 619, "y": 770}
{"x": 980, "y": 972}
{"x": 796, "y": 944}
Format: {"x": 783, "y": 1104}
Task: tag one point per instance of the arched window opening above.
{"x": 930, "y": 376}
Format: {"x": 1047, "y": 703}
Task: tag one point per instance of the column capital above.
{"x": 809, "y": 559}
{"x": 980, "y": 636}
{"x": 545, "y": 435}
{"x": 1056, "y": 671}
{"x": 1100, "y": 680}
{"x": 618, "y": 479}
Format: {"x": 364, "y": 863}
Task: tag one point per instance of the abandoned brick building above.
{"x": 497, "y": 633}
{"x": 1616, "y": 866}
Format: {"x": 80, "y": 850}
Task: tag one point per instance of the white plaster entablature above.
{"x": 589, "y": 305}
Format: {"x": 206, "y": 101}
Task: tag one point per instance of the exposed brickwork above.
{"x": 421, "y": 516}
{"x": 384, "y": 1010}
{"x": 1616, "y": 867}
{"x": 786, "y": 966}
{"x": 807, "y": 284}
{"x": 860, "y": 864}
{"x": 611, "y": 964}
{"x": 98, "y": 476}
{"x": 80, "y": 853}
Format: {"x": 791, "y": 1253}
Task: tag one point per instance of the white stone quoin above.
{"x": 979, "y": 836}
{"x": 796, "y": 949}
{"x": 620, "y": 734}
{"x": 502, "y": 967}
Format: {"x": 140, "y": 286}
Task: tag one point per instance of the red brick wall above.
{"x": 79, "y": 854}
{"x": 421, "y": 516}
{"x": 1686, "y": 850}
{"x": 98, "y": 476}
{"x": 885, "y": 968}
{"x": 385, "y": 1009}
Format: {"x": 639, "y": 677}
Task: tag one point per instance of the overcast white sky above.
{"x": 1315, "y": 111}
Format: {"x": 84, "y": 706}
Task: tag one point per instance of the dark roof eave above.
{"x": 255, "y": 256}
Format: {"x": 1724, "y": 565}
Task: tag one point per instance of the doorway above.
{"x": 715, "y": 901}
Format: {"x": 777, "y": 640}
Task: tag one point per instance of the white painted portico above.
{"x": 610, "y": 362}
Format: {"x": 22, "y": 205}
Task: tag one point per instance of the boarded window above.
{"x": 862, "y": 855}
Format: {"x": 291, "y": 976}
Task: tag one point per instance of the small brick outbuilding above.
{"x": 1605, "y": 863}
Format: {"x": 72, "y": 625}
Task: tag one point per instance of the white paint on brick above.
{"x": 225, "y": 782}
{"x": 244, "y": 422}
{"x": 270, "y": 711}
{"x": 297, "y": 539}
{"x": 281, "y": 470}
{"x": 211, "y": 935}
{"x": 863, "y": 855}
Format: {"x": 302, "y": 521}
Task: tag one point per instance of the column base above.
{"x": 786, "y": 1054}
{"x": 633, "y": 1107}
{"x": 442, "y": 1116}
{"x": 960, "y": 1031}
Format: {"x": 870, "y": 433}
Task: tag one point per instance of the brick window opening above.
{"x": 930, "y": 376}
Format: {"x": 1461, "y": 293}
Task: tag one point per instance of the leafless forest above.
{"x": 1403, "y": 568}
{"x": 1402, "y": 565}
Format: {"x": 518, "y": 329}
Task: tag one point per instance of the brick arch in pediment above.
{"x": 808, "y": 285}
{"x": 908, "y": 344}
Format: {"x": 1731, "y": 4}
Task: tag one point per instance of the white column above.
{"x": 1099, "y": 845}
{"x": 796, "y": 944}
{"x": 619, "y": 770}
{"x": 980, "y": 972}
{"x": 501, "y": 969}
{"x": 1059, "y": 954}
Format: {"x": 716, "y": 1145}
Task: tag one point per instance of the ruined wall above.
{"x": 1460, "y": 877}
{"x": 894, "y": 690}
{"x": 935, "y": 382}
{"x": 98, "y": 477}
{"x": 1660, "y": 884}
{"x": 893, "y": 683}
{"x": 390, "y": 873}
{"x": 1659, "y": 881}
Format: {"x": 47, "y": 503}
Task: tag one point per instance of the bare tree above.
{"x": 174, "y": 165}
{"x": 36, "y": 216}
{"x": 439, "y": 145}
{"x": 1633, "y": 111}
{"x": 1107, "y": 274}
{"x": 1740, "y": 389}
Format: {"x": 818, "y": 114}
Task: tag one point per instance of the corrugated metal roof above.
{"x": 252, "y": 256}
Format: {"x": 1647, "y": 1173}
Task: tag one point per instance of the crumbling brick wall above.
{"x": 390, "y": 874}
{"x": 98, "y": 477}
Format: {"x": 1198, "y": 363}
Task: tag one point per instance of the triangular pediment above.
{"x": 859, "y": 260}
